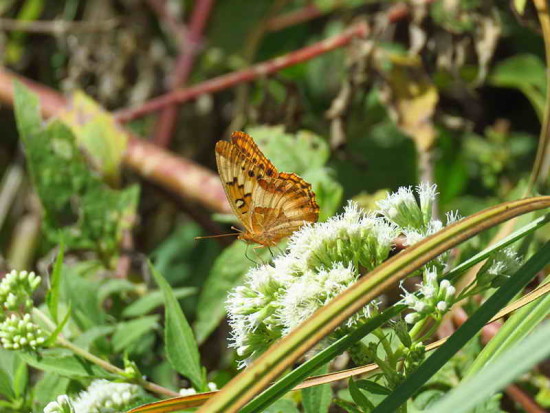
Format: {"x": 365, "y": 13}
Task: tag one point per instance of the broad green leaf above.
{"x": 52, "y": 297}
{"x": 80, "y": 210}
{"x": 128, "y": 332}
{"x": 467, "y": 331}
{"x": 85, "y": 339}
{"x": 296, "y": 153}
{"x": 8, "y": 365}
{"x": 305, "y": 154}
{"x": 227, "y": 272}
{"x": 282, "y": 406}
{"x": 525, "y": 72}
{"x": 81, "y": 292}
{"x": 317, "y": 399}
{"x": 48, "y": 388}
{"x": 494, "y": 377}
{"x": 181, "y": 347}
{"x": 152, "y": 300}
{"x": 115, "y": 286}
{"x": 64, "y": 364}
{"x": 97, "y": 133}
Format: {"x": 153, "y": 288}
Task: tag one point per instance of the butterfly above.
{"x": 270, "y": 204}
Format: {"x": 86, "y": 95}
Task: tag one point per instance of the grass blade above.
{"x": 497, "y": 375}
{"x": 468, "y": 330}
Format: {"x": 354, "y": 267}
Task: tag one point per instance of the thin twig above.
{"x": 167, "y": 119}
{"x": 309, "y": 12}
{"x": 159, "y": 7}
{"x": 56, "y": 27}
{"x": 104, "y": 364}
{"x": 246, "y": 75}
{"x": 182, "y": 176}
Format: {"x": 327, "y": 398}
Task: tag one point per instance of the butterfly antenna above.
{"x": 218, "y": 236}
{"x": 271, "y": 252}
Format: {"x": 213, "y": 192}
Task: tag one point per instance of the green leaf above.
{"x": 181, "y": 347}
{"x": 282, "y": 406}
{"x": 114, "y": 286}
{"x": 79, "y": 209}
{"x": 64, "y": 364}
{"x": 227, "y": 272}
{"x": 128, "y": 332}
{"x": 468, "y": 330}
{"x": 516, "y": 328}
{"x": 306, "y": 154}
{"x": 317, "y": 399}
{"x": 358, "y": 397}
{"x": 494, "y": 377}
{"x": 152, "y": 300}
{"x": 372, "y": 387}
{"x": 524, "y": 72}
{"x": 53, "y": 336}
{"x": 8, "y": 365}
{"x": 48, "y": 388}
{"x": 52, "y": 297}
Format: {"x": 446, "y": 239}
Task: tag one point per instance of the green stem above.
{"x": 63, "y": 342}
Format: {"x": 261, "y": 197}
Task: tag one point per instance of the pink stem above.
{"x": 246, "y": 75}
{"x": 167, "y": 119}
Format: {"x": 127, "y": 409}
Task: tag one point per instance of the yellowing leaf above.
{"x": 412, "y": 98}
{"x": 97, "y": 133}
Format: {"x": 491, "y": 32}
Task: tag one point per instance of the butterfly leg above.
{"x": 247, "y": 257}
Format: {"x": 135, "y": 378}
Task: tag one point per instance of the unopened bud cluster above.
{"x": 16, "y": 290}
{"x": 17, "y": 330}
{"x": 433, "y": 298}
{"x": 20, "y": 333}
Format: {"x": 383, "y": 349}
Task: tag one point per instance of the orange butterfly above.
{"x": 270, "y": 204}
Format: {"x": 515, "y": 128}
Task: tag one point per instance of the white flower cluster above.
{"x": 61, "y": 405}
{"x": 321, "y": 261}
{"x": 102, "y": 396}
{"x": 434, "y": 300}
{"x": 20, "y": 333}
{"x": 16, "y": 289}
{"x": 498, "y": 268}
{"x": 414, "y": 218}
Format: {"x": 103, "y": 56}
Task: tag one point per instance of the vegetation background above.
{"x": 358, "y": 97}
